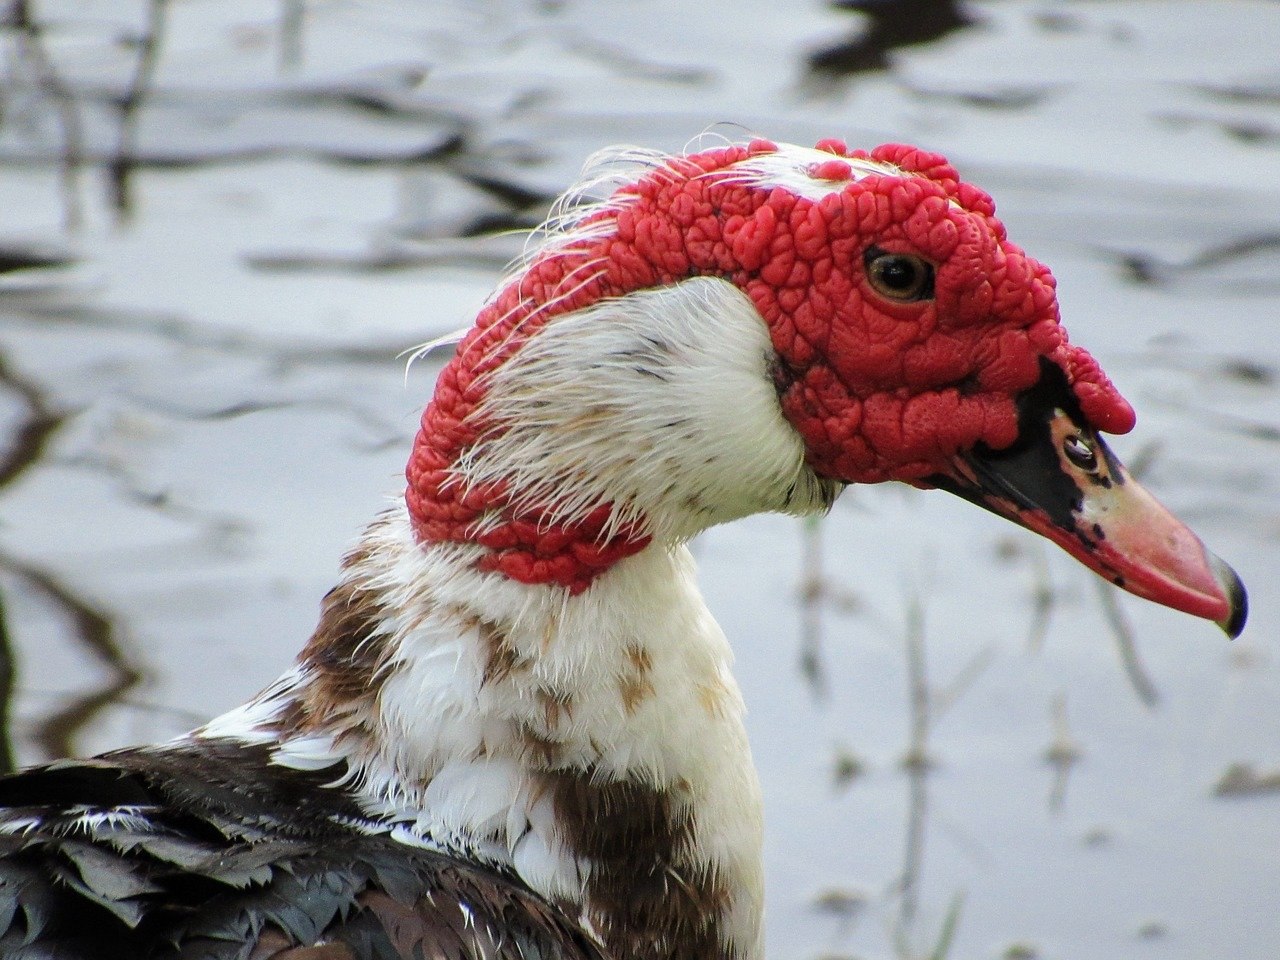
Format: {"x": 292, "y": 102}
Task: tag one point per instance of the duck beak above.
{"x": 1061, "y": 480}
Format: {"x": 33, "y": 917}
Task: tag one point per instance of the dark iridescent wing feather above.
{"x": 213, "y": 853}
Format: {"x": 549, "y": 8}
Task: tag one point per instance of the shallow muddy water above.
{"x": 236, "y": 216}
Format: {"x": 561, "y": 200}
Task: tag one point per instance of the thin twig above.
{"x": 291, "y": 21}
{"x": 812, "y": 592}
{"x": 31, "y": 48}
{"x": 916, "y": 762}
{"x": 123, "y": 163}
{"x": 963, "y": 681}
{"x": 1127, "y": 646}
{"x": 1043, "y": 599}
{"x": 1063, "y": 753}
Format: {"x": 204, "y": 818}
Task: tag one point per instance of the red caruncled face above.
{"x": 879, "y": 388}
{"x": 904, "y": 320}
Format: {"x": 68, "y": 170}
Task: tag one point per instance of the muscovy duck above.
{"x": 514, "y": 732}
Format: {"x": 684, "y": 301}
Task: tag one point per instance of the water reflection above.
{"x": 97, "y": 633}
{"x": 7, "y": 678}
{"x": 311, "y": 191}
{"x": 888, "y": 25}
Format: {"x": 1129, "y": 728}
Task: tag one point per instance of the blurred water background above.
{"x": 220, "y": 223}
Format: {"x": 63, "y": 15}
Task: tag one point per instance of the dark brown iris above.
{"x": 903, "y": 277}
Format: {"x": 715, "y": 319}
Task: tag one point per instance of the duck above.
{"x": 515, "y": 731}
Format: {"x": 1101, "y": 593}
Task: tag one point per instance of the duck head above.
{"x": 795, "y": 319}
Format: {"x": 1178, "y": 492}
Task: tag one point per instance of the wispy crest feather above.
{"x": 581, "y": 216}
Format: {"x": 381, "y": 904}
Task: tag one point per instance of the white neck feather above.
{"x": 661, "y": 403}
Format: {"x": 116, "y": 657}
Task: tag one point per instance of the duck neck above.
{"x": 591, "y": 741}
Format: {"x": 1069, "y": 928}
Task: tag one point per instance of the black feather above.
{"x": 208, "y": 850}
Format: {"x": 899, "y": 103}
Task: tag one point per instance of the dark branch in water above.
{"x": 98, "y": 632}
{"x": 812, "y": 590}
{"x": 817, "y": 593}
{"x": 27, "y": 447}
{"x": 31, "y": 49}
{"x": 891, "y": 24}
{"x": 95, "y": 629}
{"x": 1043, "y": 599}
{"x": 1062, "y": 754}
{"x": 33, "y": 434}
{"x": 928, "y": 704}
{"x": 122, "y": 165}
{"x": 6, "y": 692}
{"x": 292, "y": 15}
{"x": 180, "y": 330}
{"x": 917, "y": 764}
{"x": 1126, "y": 645}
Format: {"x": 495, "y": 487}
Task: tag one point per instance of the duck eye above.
{"x": 899, "y": 276}
{"x": 1080, "y": 452}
